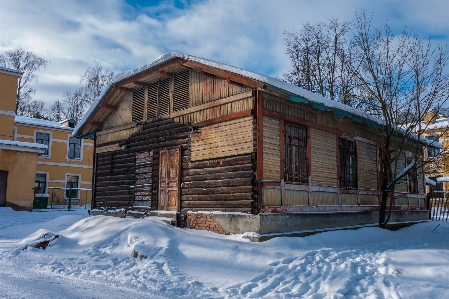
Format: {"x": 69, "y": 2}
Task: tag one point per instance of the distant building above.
{"x": 437, "y": 166}
{"x": 17, "y": 159}
{"x": 66, "y": 163}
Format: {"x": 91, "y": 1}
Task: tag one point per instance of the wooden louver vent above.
{"x": 181, "y": 90}
{"x": 138, "y": 104}
{"x": 153, "y": 89}
{"x": 164, "y": 97}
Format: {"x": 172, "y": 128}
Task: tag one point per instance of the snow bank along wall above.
{"x": 188, "y": 136}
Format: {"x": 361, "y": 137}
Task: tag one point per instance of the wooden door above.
{"x": 3, "y": 183}
{"x": 169, "y": 172}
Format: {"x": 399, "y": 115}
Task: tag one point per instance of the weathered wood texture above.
{"x": 205, "y": 88}
{"x": 119, "y": 172}
{"x": 324, "y": 158}
{"x": 271, "y": 148}
{"x": 121, "y": 116}
{"x": 217, "y": 184}
{"x": 304, "y": 112}
{"x": 367, "y": 165}
{"x": 225, "y": 139}
{"x": 401, "y": 185}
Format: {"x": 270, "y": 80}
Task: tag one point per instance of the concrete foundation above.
{"x": 268, "y": 223}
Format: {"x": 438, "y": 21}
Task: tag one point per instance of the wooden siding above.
{"x": 367, "y": 165}
{"x": 225, "y": 139}
{"x": 401, "y": 185}
{"x": 348, "y": 199}
{"x": 421, "y": 183}
{"x": 296, "y": 197}
{"x": 205, "y": 88}
{"x": 119, "y": 172}
{"x": 271, "y": 148}
{"x": 324, "y": 158}
{"x": 368, "y": 200}
{"x": 273, "y": 101}
{"x": 324, "y": 198}
{"x": 271, "y": 197}
{"x": 223, "y": 184}
{"x": 121, "y": 116}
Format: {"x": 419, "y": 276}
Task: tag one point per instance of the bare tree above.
{"x": 320, "y": 56}
{"x": 28, "y": 63}
{"x": 56, "y": 111}
{"x": 72, "y": 105}
{"x": 36, "y": 109}
{"x": 93, "y": 81}
{"x": 405, "y": 77}
{"x": 397, "y": 78}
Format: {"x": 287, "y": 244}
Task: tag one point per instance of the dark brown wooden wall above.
{"x": 216, "y": 184}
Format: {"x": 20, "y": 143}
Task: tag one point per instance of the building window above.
{"x": 40, "y": 183}
{"x": 74, "y": 148}
{"x": 412, "y": 178}
{"x": 433, "y": 151}
{"x": 348, "y": 164}
{"x": 43, "y": 138}
{"x": 72, "y": 185}
{"x": 295, "y": 153}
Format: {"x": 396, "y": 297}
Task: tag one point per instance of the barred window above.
{"x": 295, "y": 153}
{"x": 348, "y": 164}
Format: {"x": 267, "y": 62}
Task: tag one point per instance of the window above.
{"x": 348, "y": 164}
{"x": 432, "y": 151}
{"x": 74, "y": 148}
{"x": 295, "y": 153}
{"x": 72, "y": 185}
{"x": 412, "y": 178}
{"x": 43, "y": 138}
{"x": 40, "y": 183}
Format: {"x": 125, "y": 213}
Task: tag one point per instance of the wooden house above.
{"x": 236, "y": 151}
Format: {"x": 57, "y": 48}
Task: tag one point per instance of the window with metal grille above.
{"x": 295, "y": 153}
{"x": 72, "y": 186}
{"x": 74, "y": 148}
{"x": 348, "y": 164}
{"x": 40, "y": 183}
{"x": 43, "y": 138}
{"x": 412, "y": 178}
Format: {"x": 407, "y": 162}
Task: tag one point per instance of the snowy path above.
{"x": 93, "y": 258}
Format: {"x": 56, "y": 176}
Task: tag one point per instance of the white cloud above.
{"x": 247, "y": 34}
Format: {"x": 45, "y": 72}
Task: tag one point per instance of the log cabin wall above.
{"x": 322, "y": 192}
{"x": 211, "y": 121}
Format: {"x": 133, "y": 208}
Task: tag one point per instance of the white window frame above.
{"x": 49, "y": 142}
{"x": 68, "y": 149}
{"x": 67, "y": 180}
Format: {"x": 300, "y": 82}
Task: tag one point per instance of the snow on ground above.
{"x": 93, "y": 258}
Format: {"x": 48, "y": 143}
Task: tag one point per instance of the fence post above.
{"x": 70, "y": 198}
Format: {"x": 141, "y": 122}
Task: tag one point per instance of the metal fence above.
{"x": 63, "y": 198}
{"x": 439, "y": 205}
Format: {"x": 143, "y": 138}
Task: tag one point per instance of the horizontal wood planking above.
{"x": 324, "y": 158}
{"x": 296, "y": 197}
{"x": 271, "y": 148}
{"x": 226, "y": 139}
{"x": 324, "y": 198}
{"x": 367, "y": 165}
{"x": 348, "y": 199}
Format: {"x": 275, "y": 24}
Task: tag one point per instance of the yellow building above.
{"x": 17, "y": 158}
{"x": 67, "y": 163}
{"x": 436, "y": 127}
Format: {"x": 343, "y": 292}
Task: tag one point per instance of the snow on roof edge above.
{"x": 40, "y": 122}
{"x": 10, "y": 71}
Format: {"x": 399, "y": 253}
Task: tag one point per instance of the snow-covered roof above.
{"x": 443, "y": 179}
{"x": 9, "y": 71}
{"x": 22, "y": 146}
{"x": 279, "y": 84}
{"x": 41, "y": 123}
{"x": 430, "y": 182}
{"x": 442, "y": 123}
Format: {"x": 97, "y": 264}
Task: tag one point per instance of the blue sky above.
{"x": 125, "y": 34}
